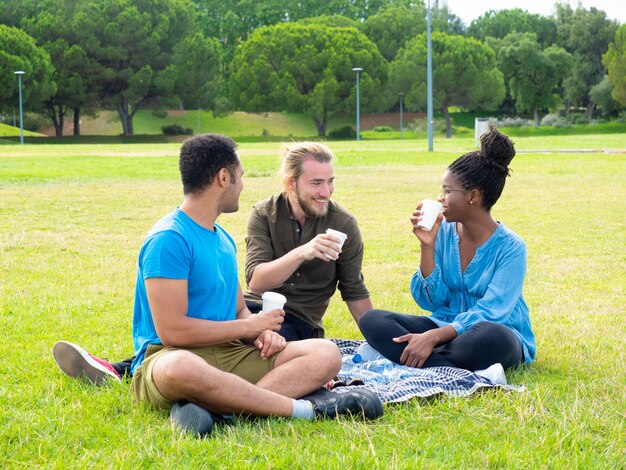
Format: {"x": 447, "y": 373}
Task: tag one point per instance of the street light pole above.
{"x": 401, "y": 126}
{"x": 429, "y": 79}
{"x": 19, "y": 74}
{"x": 358, "y": 70}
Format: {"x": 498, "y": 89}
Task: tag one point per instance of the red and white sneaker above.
{"x": 77, "y": 363}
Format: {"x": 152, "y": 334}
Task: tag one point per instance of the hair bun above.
{"x": 497, "y": 149}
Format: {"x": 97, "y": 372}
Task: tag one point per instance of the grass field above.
{"x": 73, "y": 218}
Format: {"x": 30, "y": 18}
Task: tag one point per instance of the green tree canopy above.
{"x": 586, "y": 35}
{"x": 500, "y": 23}
{"x": 392, "y": 27}
{"x": 333, "y": 21}
{"x": 196, "y": 71}
{"x": 533, "y": 75}
{"x": 464, "y": 75}
{"x": 306, "y": 68}
{"x": 615, "y": 62}
{"x": 19, "y": 52}
{"x": 602, "y": 96}
{"x": 444, "y": 21}
{"x": 133, "y": 41}
{"x": 13, "y": 12}
{"x": 75, "y": 73}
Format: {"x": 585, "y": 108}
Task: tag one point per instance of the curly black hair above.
{"x": 486, "y": 169}
{"x": 202, "y": 157}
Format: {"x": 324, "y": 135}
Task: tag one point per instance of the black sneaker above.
{"x": 192, "y": 418}
{"x": 357, "y": 402}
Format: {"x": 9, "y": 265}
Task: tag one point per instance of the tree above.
{"x": 18, "y": 51}
{"x": 335, "y": 21}
{"x": 615, "y": 62}
{"x": 586, "y": 35}
{"x": 232, "y": 21}
{"x": 500, "y": 23}
{"x": 306, "y": 68}
{"x": 602, "y": 96}
{"x": 464, "y": 75}
{"x": 444, "y": 21}
{"x": 391, "y": 28}
{"x": 133, "y": 42}
{"x": 196, "y": 73}
{"x": 75, "y": 73}
{"x": 13, "y": 12}
{"x": 533, "y": 75}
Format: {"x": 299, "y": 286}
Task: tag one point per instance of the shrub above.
{"x": 511, "y": 122}
{"x": 33, "y": 121}
{"x": 159, "y": 113}
{"x": 420, "y": 125}
{"x": 222, "y": 107}
{"x": 382, "y": 129}
{"x": 554, "y": 120}
{"x": 578, "y": 118}
{"x": 176, "y": 129}
{"x": 345, "y": 132}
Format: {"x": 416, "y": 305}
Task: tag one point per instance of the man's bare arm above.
{"x": 169, "y": 305}
{"x": 359, "y": 307}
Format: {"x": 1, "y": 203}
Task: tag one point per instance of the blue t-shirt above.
{"x": 490, "y": 289}
{"x": 179, "y": 248}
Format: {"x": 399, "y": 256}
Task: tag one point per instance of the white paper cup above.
{"x": 273, "y": 301}
{"x": 337, "y": 234}
{"x": 430, "y": 211}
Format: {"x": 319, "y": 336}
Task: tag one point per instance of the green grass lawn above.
{"x": 73, "y": 219}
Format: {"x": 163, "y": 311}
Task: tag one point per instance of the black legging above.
{"x": 482, "y": 345}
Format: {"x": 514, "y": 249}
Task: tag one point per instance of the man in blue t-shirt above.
{"x": 198, "y": 350}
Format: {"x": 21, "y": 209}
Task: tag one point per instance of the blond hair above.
{"x": 295, "y": 156}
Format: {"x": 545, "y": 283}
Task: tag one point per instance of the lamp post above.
{"x": 358, "y": 71}
{"x": 401, "y": 126}
{"x": 429, "y": 79}
{"x": 19, "y": 74}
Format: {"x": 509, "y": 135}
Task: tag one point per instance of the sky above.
{"x": 470, "y": 10}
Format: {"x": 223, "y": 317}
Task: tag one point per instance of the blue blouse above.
{"x": 490, "y": 289}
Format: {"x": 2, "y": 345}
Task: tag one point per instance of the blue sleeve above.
{"x": 165, "y": 254}
{"x": 503, "y": 293}
{"x": 430, "y": 293}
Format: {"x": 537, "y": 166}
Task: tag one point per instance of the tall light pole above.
{"x": 19, "y": 74}
{"x": 358, "y": 71}
{"x": 429, "y": 78}
{"x": 401, "y": 126}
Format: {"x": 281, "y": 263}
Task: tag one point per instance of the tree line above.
{"x": 288, "y": 55}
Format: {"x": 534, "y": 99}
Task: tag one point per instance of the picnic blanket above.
{"x": 395, "y": 383}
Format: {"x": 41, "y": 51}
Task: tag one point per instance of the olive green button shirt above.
{"x": 273, "y": 232}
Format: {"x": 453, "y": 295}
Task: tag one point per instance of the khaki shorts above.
{"x": 234, "y": 357}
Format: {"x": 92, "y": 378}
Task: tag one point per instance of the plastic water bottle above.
{"x": 366, "y": 353}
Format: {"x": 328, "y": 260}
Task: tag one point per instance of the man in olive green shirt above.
{"x": 288, "y": 250}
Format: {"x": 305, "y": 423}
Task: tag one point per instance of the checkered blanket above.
{"x": 396, "y": 383}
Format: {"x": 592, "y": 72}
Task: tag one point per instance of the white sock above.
{"x": 302, "y": 409}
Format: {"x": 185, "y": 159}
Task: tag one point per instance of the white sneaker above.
{"x": 494, "y": 373}
{"x": 77, "y": 363}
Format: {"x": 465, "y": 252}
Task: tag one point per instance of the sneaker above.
{"x": 77, "y": 363}
{"x": 357, "y": 402}
{"x": 494, "y": 373}
{"x": 192, "y": 418}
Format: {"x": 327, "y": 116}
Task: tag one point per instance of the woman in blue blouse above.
{"x": 470, "y": 277}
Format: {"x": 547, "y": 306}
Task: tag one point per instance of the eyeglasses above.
{"x": 445, "y": 191}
